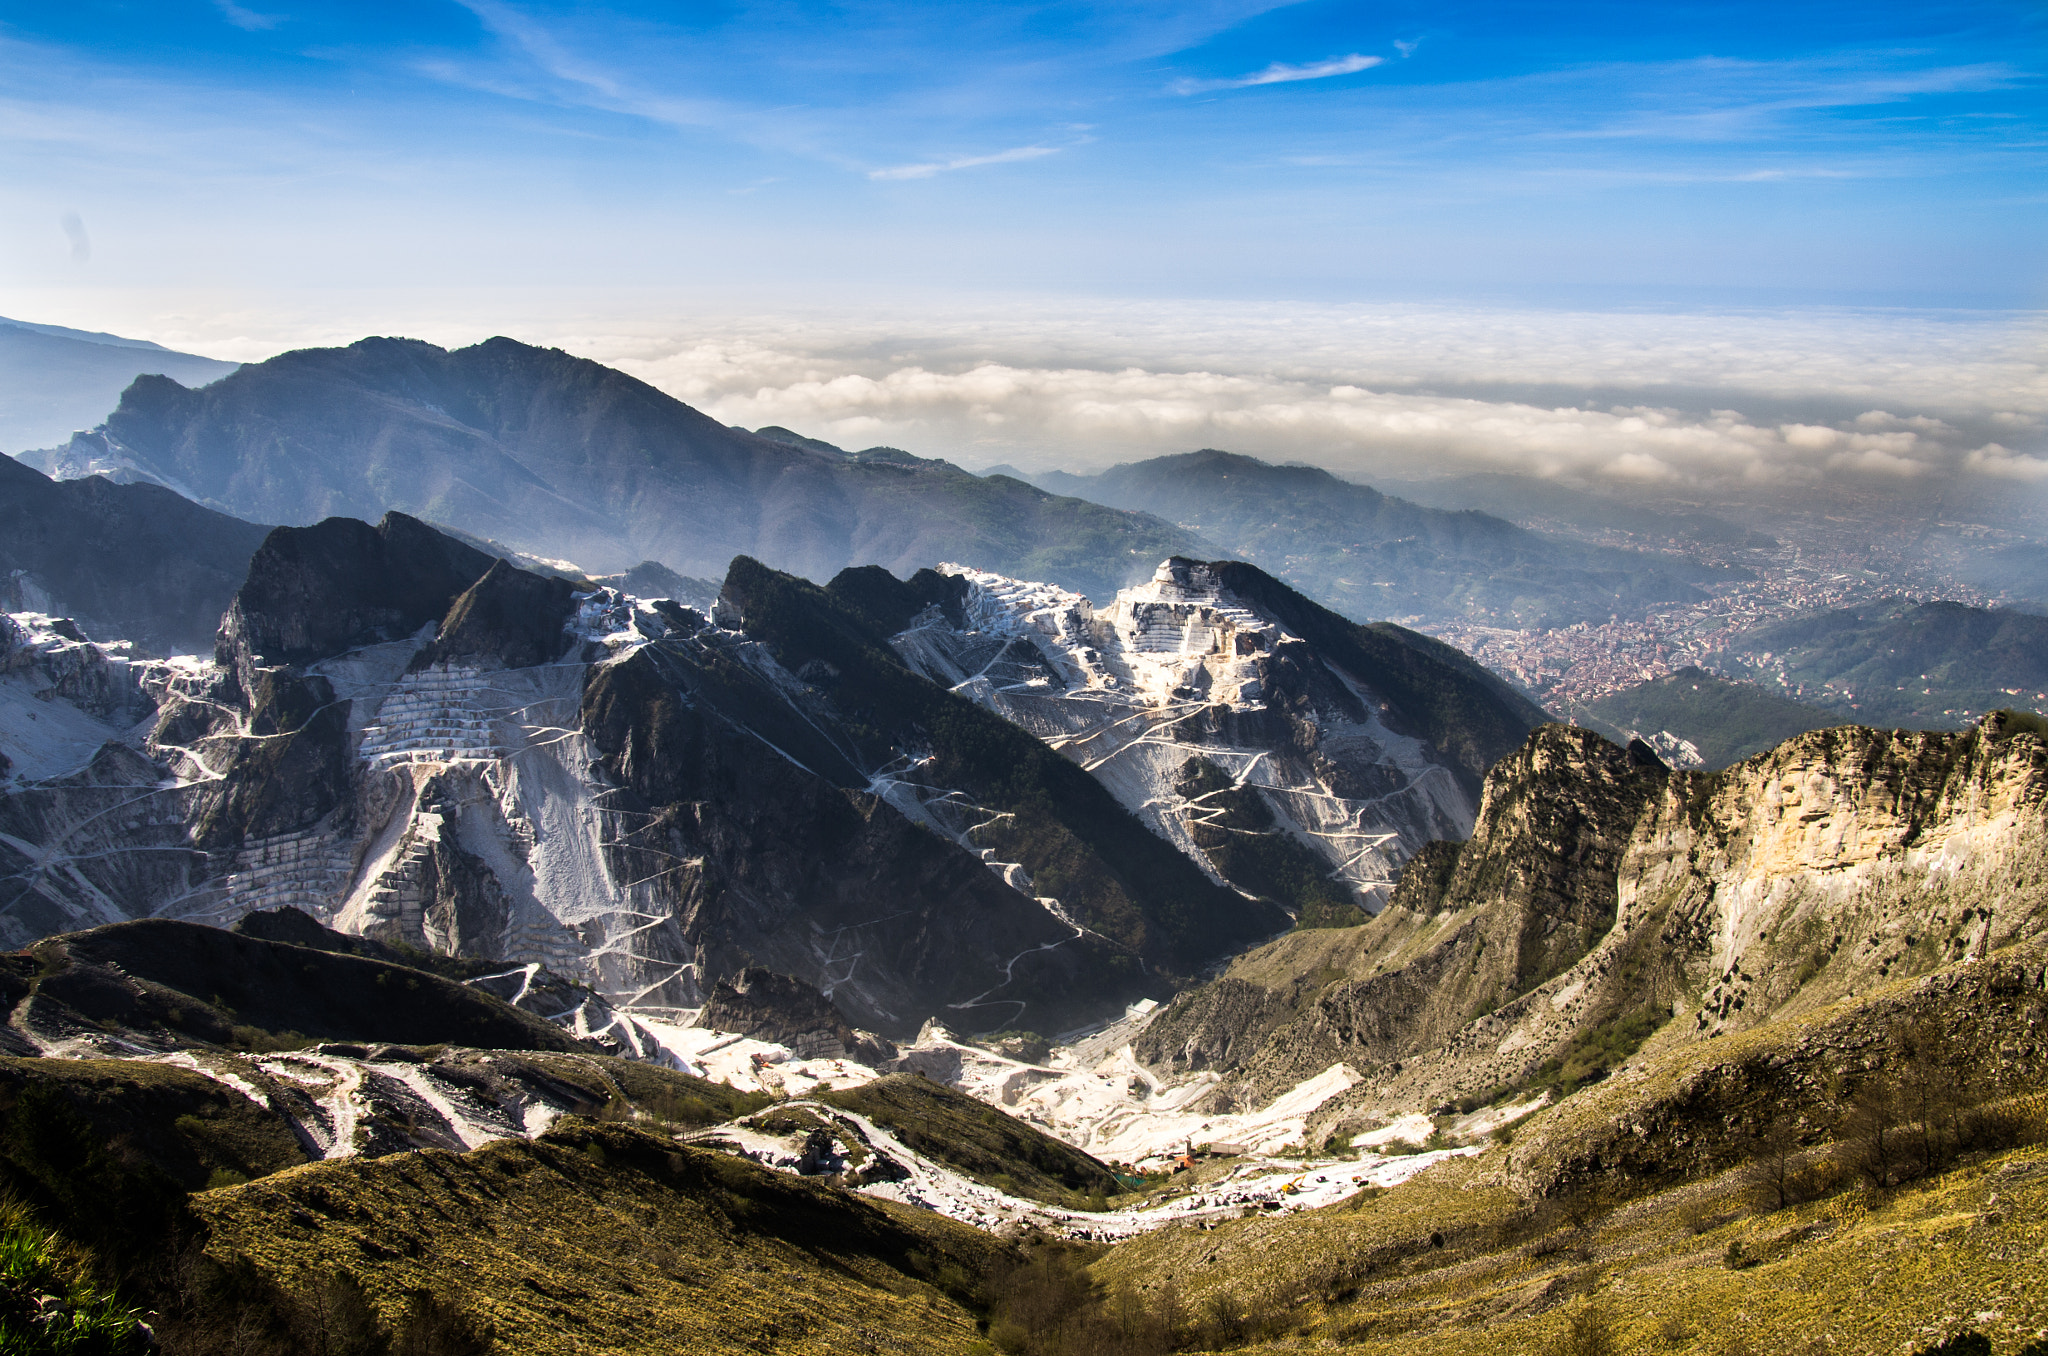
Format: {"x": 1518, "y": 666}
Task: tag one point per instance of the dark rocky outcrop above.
{"x": 316, "y": 591}
{"x": 758, "y": 1002}
{"x": 1433, "y": 690}
{"x": 130, "y": 562}
{"x": 509, "y": 619}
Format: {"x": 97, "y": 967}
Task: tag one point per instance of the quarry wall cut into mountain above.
{"x": 416, "y": 742}
{"x": 1207, "y": 718}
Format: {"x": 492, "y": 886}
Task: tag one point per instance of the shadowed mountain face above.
{"x": 565, "y": 458}
{"x": 130, "y": 562}
{"x": 1302, "y": 755}
{"x": 1371, "y": 555}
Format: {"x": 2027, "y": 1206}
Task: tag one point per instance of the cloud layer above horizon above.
{"x": 1671, "y": 400}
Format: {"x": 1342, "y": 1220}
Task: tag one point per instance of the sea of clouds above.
{"x": 1639, "y": 396}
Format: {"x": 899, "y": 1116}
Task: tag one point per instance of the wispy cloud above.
{"x": 1280, "y": 73}
{"x": 927, "y": 169}
{"x": 247, "y": 19}
{"x": 602, "y": 86}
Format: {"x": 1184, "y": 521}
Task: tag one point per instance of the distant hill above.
{"x": 1695, "y": 719}
{"x": 566, "y": 459}
{"x": 1372, "y": 556}
{"x": 1526, "y": 499}
{"x": 1915, "y": 665}
{"x": 55, "y": 380}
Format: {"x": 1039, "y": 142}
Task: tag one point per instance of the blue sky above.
{"x": 1594, "y": 154}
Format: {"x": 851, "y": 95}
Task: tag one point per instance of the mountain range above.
{"x": 566, "y": 459}
{"x": 443, "y": 947}
{"x": 1372, "y": 555}
{"x": 426, "y": 745}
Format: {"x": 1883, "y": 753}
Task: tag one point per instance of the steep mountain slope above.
{"x": 126, "y": 562}
{"x": 55, "y": 380}
{"x": 1695, "y": 719}
{"x": 1602, "y": 898}
{"x": 1304, "y": 756}
{"x": 422, "y": 744}
{"x": 608, "y": 1238}
{"x": 564, "y": 458}
{"x": 1923, "y": 666}
{"x": 1370, "y": 555}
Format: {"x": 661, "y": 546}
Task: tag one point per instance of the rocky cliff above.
{"x": 1604, "y": 902}
{"x": 1301, "y": 770}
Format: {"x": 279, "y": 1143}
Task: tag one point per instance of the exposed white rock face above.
{"x": 1179, "y": 669}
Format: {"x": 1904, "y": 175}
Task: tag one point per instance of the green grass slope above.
{"x": 606, "y": 1239}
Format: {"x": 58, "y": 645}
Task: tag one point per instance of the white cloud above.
{"x": 247, "y": 19}
{"x": 1993, "y": 460}
{"x": 929, "y": 168}
{"x": 1280, "y": 73}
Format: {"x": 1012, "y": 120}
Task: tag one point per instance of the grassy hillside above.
{"x": 1725, "y": 721}
{"x": 1864, "y": 1176}
{"x": 604, "y": 1238}
{"x": 184, "y": 981}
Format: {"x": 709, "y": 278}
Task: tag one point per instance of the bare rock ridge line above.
{"x": 1292, "y": 768}
{"x": 420, "y": 743}
{"x": 1605, "y": 904}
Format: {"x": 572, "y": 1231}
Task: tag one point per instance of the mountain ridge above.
{"x": 1371, "y": 555}
{"x": 564, "y": 458}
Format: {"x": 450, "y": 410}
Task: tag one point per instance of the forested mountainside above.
{"x": 1938, "y": 665}
{"x": 1371, "y": 555}
{"x": 564, "y": 458}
